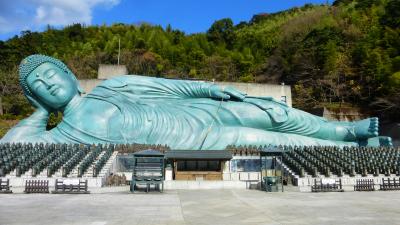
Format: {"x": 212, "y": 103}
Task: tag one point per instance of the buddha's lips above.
{"x": 54, "y": 89}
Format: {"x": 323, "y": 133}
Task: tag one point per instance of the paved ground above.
{"x": 211, "y": 207}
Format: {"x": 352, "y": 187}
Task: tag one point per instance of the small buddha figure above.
{"x": 189, "y": 115}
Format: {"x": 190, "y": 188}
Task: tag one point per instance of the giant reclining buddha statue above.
{"x": 189, "y": 115}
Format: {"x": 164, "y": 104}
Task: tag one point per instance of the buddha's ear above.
{"x": 80, "y": 89}
{"x": 78, "y": 85}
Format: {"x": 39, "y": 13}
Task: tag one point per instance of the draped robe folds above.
{"x": 180, "y": 114}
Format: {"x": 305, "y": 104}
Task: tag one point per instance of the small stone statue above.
{"x": 181, "y": 114}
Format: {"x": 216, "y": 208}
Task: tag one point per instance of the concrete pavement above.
{"x": 117, "y": 206}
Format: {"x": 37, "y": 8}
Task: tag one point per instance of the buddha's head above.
{"x": 48, "y": 81}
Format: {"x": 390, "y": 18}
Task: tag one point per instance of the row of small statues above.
{"x": 132, "y": 148}
{"x": 116, "y": 180}
{"x": 247, "y": 149}
{"x": 289, "y": 148}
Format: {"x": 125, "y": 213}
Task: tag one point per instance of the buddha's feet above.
{"x": 386, "y": 141}
{"x": 367, "y": 128}
{"x": 381, "y": 141}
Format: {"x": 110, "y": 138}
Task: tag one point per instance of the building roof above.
{"x": 272, "y": 151}
{"x": 198, "y": 154}
{"x": 149, "y": 152}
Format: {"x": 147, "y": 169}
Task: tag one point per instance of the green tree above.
{"x": 222, "y": 31}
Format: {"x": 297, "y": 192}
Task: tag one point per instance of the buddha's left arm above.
{"x": 151, "y": 87}
{"x": 188, "y": 89}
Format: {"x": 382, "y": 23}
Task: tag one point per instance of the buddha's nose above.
{"x": 49, "y": 86}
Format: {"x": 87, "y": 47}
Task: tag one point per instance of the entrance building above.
{"x": 198, "y": 164}
{"x": 203, "y": 165}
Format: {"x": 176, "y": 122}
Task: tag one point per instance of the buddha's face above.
{"x": 51, "y": 85}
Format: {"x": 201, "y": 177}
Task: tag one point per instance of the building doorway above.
{"x": 198, "y": 165}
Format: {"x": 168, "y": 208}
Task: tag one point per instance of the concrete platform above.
{"x": 235, "y": 206}
{"x": 205, "y": 184}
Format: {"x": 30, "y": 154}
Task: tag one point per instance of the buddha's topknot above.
{"x": 31, "y": 62}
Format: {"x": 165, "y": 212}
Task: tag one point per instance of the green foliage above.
{"x": 54, "y": 119}
{"x": 392, "y": 14}
{"x": 366, "y": 4}
{"x": 348, "y": 53}
{"x": 222, "y": 31}
{"x": 339, "y": 2}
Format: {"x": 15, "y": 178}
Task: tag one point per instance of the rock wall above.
{"x": 343, "y": 114}
{"x": 108, "y": 71}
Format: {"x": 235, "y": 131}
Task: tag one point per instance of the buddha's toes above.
{"x": 367, "y": 128}
{"x": 386, "y": 141}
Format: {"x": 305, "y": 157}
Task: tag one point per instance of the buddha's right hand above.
{"x": 39, "y": 107}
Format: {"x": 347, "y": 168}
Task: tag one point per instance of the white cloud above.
{"x": 17, "y": 15}
{"x": 62, "y": 12}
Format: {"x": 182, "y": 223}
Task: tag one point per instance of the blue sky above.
{"x": 191, "y": 16}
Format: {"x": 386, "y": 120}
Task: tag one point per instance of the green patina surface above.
{"x": 182, "y": 114}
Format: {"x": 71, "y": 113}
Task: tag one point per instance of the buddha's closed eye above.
{"x": 37, "y": 84}
{"x": 50, "y": 73}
